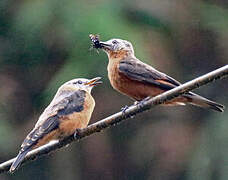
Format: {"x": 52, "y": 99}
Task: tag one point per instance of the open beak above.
{"x": 94, "y": 81}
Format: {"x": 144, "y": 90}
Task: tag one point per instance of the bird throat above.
{"x": 117, "y": 55}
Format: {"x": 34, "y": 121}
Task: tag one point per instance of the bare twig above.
{"x": 120, "y": 116}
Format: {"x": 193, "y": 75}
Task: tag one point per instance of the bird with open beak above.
{"x": 71, "y": 109}
{"x": 138, "y": 80}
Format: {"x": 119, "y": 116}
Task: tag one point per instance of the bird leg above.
{"x": 77, "y": 134}
{"x": 141, "y": 103}
{"x": 123, "y": 109}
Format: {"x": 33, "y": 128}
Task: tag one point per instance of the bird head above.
{"x": 117, "y": 46}
{"x": 80, "y": 84}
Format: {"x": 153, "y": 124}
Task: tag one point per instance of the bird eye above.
{"x": 79, "y": 82}
{"x": 128, "y": 45}
{"x": 114, "y": 42}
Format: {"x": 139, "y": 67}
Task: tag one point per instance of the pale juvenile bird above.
{"x": 138, "y": 80}
{"x": 70, "y": 110}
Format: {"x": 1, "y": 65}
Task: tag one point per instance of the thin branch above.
{"x": 120, "y": 116}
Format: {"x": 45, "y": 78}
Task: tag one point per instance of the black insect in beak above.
{"x": 97, "y": 43}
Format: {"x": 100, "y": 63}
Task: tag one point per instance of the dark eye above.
{"x": 128, "y": 45}
{"x": 114, "y": 42}
{"x": 79, "y": 82}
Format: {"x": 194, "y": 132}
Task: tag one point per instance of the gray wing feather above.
{"x": 139, "y": 71}
{"x": 32, "y": 138}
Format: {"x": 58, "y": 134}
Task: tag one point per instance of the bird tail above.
{"x": 20, "y": 157}
{"x": 204, "y": 103}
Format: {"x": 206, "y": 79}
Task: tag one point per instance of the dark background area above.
{"x": 45, "y": 43}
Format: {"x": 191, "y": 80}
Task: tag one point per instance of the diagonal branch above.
{"x": 120, "y": 116}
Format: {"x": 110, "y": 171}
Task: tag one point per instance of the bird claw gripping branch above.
{"x": 77, "y": 134}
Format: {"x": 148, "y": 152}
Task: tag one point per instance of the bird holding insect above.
{"x": 138, "y": 80}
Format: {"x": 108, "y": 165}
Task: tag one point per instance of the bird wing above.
{"x": 49, "y": 125}
{"x": 50, "y": 121}
{"x": 70, "y": 104}
{"x": 139, "y": 71}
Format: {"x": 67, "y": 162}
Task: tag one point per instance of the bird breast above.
{"x": 121, "y": 83}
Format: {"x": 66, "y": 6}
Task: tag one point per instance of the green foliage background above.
{"x": 45, "y": 43}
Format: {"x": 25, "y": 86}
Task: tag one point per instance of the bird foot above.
{"x": 141, "y": 103}
{"x": 123, "y": 109}
{"x": 136, "y": 102}
{"x": 77, "y": 134}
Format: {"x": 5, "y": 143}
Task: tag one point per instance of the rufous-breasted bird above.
{"x": 138, "y": 80}
{"x": 70, "y": 110}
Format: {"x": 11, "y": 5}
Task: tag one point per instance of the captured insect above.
{"x": 96, "y": 41}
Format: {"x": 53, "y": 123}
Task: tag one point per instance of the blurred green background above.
{"x": 45, "y": 43}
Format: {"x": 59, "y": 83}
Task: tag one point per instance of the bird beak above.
{"x": 94, "y": 82}
{"x": 106, "y": 46}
